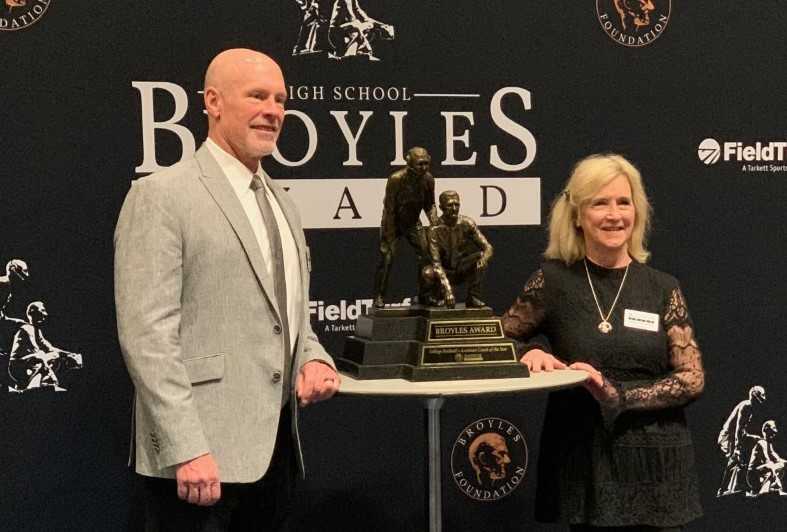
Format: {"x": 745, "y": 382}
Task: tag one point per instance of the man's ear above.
{"x": 212, "y": 99}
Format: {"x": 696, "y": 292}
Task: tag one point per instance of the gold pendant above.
{"x": 605, "y": 327}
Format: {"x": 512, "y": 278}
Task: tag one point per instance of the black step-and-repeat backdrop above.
{"x": 506, "y": 96}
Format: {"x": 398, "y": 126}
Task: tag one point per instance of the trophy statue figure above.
{"x": 408, "y": 191}
{"x": 459, "y": 254}
{"x": 435, "y": 339}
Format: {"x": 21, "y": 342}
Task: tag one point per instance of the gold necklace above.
{"x": 605, "y": 327}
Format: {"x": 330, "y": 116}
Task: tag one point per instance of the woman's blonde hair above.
{"x": 591, "y": 174}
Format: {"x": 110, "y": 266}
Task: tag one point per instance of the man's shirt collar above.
{"x": 238, "y": 175}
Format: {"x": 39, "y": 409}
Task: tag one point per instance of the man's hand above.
{"x": 198, "y": 481}
{"x": 316, "y": 381}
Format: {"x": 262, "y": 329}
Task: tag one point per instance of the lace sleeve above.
{"x": 523, "y": 320}
{"x": 687, "y": 379}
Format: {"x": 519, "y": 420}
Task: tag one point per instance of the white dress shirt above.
{"x": 240, "y": 179}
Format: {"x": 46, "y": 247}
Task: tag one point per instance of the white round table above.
{"x": 549, "y": 380}
{"x": 434, "y": 394}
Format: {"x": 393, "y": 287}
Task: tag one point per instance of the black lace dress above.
{"x": 630, "y": 462}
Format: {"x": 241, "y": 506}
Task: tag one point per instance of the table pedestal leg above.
{"x": 433, "y": 407}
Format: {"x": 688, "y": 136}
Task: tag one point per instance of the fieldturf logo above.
{"x": 340, "y": 317}
{"x": 20, "y": 14}
{"x": 489, "y": 459}
{"x": 633, "y": 23}
{"x": 710, "y": 151}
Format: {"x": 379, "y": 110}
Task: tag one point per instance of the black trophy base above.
{"x": 430, "y": 344}
{"x": 430, "y": 373}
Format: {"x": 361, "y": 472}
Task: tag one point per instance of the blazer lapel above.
{"x": 290, "y": 213}
{"x": 217, "y": 185}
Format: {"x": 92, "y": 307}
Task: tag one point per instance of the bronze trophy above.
{"x": 436, "y": 338}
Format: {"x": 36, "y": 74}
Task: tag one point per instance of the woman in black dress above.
{"x": 616, "y": 453}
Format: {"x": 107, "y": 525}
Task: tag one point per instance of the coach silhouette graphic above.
{"x": 16, "y": 275}
{"x": 312, "y": 27}
{"x": 348, "y": 31}
{"x": 28, "y": 360}
{"x": 766, "y": 468}
{"x": 753, "y": 466}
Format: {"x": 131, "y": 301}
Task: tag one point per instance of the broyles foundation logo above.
{"x": 756, "y": 157}
{"x": 341, "y": 29}
{"x": 633, "y": 23}
{"x": 489, "y": 459}
{"x": 20, "y": 14}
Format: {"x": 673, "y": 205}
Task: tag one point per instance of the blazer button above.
{"x": 277, "y": 329}
{"x": 276, "y": 376}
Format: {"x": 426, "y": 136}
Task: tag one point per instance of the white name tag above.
{"x": 636, "y": 319}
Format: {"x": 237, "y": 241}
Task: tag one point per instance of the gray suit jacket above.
{"x": 198, "y": 323}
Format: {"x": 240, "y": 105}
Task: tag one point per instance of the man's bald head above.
{"x": 244, "y": 98}
{"x": 231, "y": 64}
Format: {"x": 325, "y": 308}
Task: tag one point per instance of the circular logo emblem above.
{"x": 21, "y": 14}
{"x": 633, "y": 23}
{"x": 489, "y": 459}
{"x": 709, "y": 151}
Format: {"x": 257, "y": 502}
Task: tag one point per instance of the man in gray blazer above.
{"x": 211, "y": 286}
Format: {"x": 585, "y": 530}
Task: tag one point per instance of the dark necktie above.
{"x": 277, "y": 256}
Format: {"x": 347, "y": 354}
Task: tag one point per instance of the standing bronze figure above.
{"x": 458, "y": 252}
{"x": 407, "y": 192}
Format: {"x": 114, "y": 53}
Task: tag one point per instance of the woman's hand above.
{"x": 602, "y": 391}
{"x": 599, "y": 387}
{"x": 595, "y": 381}
{"x": 537, "y": 360}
